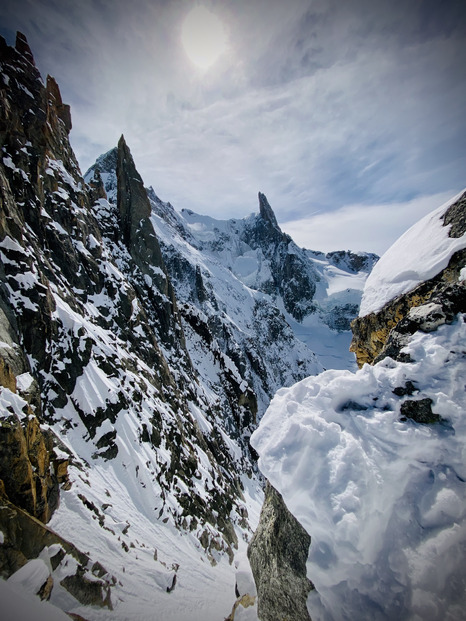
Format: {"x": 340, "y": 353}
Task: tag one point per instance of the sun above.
{"x": 203, "y": 36}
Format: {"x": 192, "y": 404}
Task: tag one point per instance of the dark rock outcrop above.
{"x": 419, "y": 410}
{"x": 266, "y": 212}
{"x": 278, "y": 553}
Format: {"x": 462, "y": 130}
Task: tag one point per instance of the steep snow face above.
{"x": 418, "y": 255}
{"x": 254, "y": 339}
{"x": 382, "y": 496}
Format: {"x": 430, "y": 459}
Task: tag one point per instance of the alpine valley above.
{"x": 139, "y": 348}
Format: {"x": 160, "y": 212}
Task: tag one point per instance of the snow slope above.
{"x": 418, "y": 255}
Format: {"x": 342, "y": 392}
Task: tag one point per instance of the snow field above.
{"x": 134, "y": 540}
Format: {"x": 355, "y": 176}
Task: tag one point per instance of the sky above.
{"x": 348, "y": 114}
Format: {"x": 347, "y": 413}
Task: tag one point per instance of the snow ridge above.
{"x": 418, "y": 255}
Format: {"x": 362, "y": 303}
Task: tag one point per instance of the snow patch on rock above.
{"x": 418, "y": 255}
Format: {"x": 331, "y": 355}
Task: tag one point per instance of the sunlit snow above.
{"x": 418, "y": 255}
{"x": 383, "y": 499}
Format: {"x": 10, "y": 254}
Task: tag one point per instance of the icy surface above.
{"x": 418, "y": 255}
{"x": 384, "y": 499}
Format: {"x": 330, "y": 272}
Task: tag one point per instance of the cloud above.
{"x": 316, "y": 104}
{"x": 370, "y": 228}
{"x": 349, "y": 133}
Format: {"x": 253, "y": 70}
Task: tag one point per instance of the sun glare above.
{"x": 203, "y": 36}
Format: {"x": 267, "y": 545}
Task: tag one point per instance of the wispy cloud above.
{"x": 371, "y": 228}
{"x": 318, "y": 104}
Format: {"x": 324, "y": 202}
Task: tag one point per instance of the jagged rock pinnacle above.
{"x": 266, "y": 211}
{"x": 63, "y": 110}
{"x": 133, "y": 204}
{"x": 22, "y": 46}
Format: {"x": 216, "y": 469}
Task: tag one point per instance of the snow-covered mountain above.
{"x": 250, "y": 283}
{"x": 139, "y": 346}
{"x": 108, "y": 433}
{"x": 372, "y": 463}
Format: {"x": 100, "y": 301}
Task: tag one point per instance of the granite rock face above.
{"x": 278, "y": 553}
{"x": 25, "y": 467}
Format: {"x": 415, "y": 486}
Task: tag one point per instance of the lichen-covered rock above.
{"x": 278, "y": 553}
{"x": 25, "y": 467}
{"x": 26, "y": 450}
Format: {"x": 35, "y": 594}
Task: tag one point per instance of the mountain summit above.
{"x": 265, "y": 211}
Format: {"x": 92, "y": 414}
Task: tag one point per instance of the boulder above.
{"x": 278, "y": 553}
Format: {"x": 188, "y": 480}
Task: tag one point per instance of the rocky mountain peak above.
{"x": 106, "y": 163}
{"x": 266, "y": 211}
{"x": 133, "y": 204}
{"x": 22, "y": 46}
{"x": 63, "y": 110}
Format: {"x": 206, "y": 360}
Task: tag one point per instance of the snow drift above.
{"x": 380, "y": 490}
